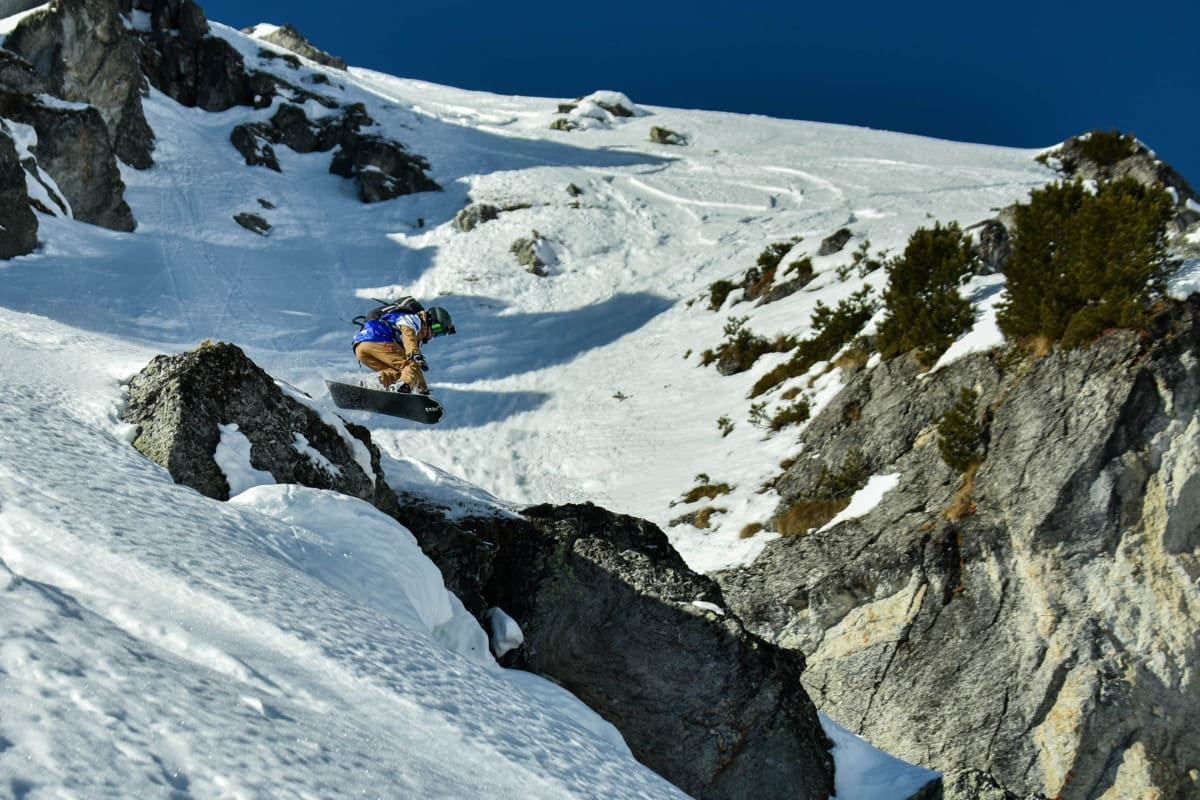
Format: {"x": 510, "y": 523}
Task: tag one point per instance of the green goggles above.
{"x": 438, "y": 329}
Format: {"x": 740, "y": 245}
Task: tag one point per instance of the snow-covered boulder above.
{"x": 197, "y": 412}
{"x": 289, "y": 38}
{"x": 599, "y": 110}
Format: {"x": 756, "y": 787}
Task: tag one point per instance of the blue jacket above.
{"x": 387, "y": 328}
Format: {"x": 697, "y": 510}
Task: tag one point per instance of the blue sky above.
{"x": 1023, "y": 74}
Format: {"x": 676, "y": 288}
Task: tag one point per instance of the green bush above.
{"x": 833, "y": 329}
{"x": 742, "y": 348}
{"x": 925, "y": 312}
{"x": 850, "y": 476}
{"x": 770, "y": 257}
{"x": 1107, "y": 148}
{"x": 960, "y": 433}
{"x": 794, "y": 414}
{"x": 718, "y": 293}
{"x": 1085, "y": 261}
{"x": 802, "y": 268}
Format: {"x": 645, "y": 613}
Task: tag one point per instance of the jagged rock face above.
{"x": 289, "y": 38}
{"x": 18, "y": 75}
{"x": 384, "y": 169}
{"x": 971, "y": 784}
{"x": 1048, "y": 636}
{"x": 74, "y": 148}
{"x": 178, "y": 403}
{"x": 609, "y": 610}
{"x": 204, "y": 73}
{"x": 18, "y": 233}
{"x": 86, "y": 54}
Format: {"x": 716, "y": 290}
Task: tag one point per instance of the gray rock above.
{"x": 178, "y": 403}
{"x": 971, "y": 784}
{"x": 206, "y": 73}
{"x": 289, "y": 38}
{"x": 526, "y": 251}
{"x": 609, "y": 610}
{"x": 994, "y": 246}
{"x": 1034, "y": 624}
{"x": 74, "y": 148}
{"x": 660, "y": 135}
{"x": 18, "y": 233}
{"x": 474, "y": 215}
{"x": 834, "y": 242}
{"x": 254, "y": 223}
{"x": 18, "y": 75}
{"x": 384, "y": 168}
{"x": 86, "y": 54}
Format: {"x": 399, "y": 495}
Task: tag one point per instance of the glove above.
{"x": 421, "y": 362}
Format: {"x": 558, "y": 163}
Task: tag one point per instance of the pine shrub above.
{"x": 960, "y": 433}
{"x": 833, "y": 329}
{"x": 742, "y": 348}
{"x": 1085, "y": 261}
{"x": 718, "y": 293}
{"x": 1107, "y": 148}
{"x": 925, "y": 312}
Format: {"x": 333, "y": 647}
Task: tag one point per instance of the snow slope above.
{"x": 293, "y": 642}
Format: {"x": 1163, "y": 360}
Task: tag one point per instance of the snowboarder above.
{"x": 391, "y": 345}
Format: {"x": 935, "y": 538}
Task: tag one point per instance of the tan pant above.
{"x": 392, "y": 363}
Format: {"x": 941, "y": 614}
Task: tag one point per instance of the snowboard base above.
{"x": 417, "y": 407}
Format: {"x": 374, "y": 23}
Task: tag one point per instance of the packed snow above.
{"x": 296, "y": 642}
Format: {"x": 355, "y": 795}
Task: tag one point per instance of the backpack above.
{"x": 404, "y": 305}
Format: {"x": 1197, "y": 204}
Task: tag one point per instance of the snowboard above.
{"x": 417, "y": 407}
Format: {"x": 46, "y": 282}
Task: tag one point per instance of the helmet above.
{"x": 439, "y": 321}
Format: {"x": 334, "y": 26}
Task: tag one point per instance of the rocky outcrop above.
{"x": 1036, "y": 619}
{"x": 473, "y": 216}
{"x": 86, "y": 54}
{"x": 610, "y": 610}
{"x": 660, "y": 135}
{"x": 834, "y": 242}
{"x": 607, "y": 607}
{"x": 1126, "y": 157}
{"x": 291, "y": 39}
{"x": 74, "y": 148}
{"x": 994, "y": 246}
{"x": 384, "y": 169}
{"x": 180, "y": 402}
{"x": 18, "y": 233}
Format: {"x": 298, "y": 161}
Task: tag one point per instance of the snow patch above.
{"x": 867, "y": 773}
{"x": 506, "y": 634}
{"x": 233, "y": 458}
{"x": 865, "y": 499}
{"x": 1186, "y": 281}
